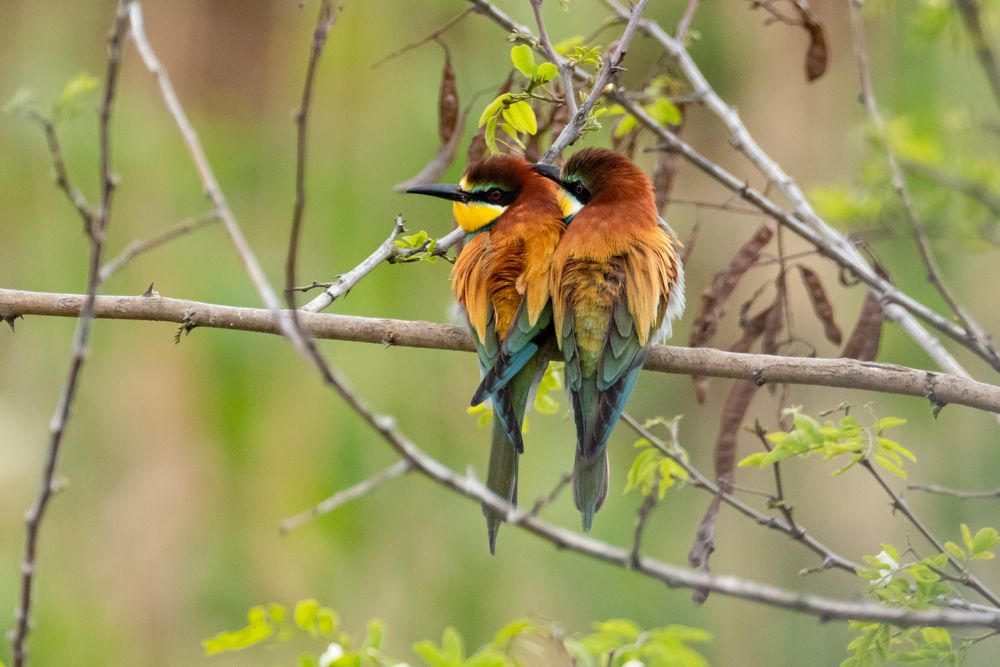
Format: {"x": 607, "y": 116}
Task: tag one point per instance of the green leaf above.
{"x": 624, "y": 126}
{"x": 889, "y": 465}
{"x": 327, "y": 621}
{"x": 430, "y": 653}
{"x": 305, "y": 615}
{"x": 967, "y": 538}
{"x": 985, "y": 538}
{"x": 888, "y": 422}
{"x": 277, "y": 612}
{"x": 522, "y": 117}
{"x": 619, "y": 626}
{"x": 77, "y": 93}
{"x": 955, "y": 550}
{"x": 511, "y": 630}
{"x": 375, "y": 634}
{"x": 306, "y": 660}
{"x": 549, "y": 388}
{"x": 493, "y": 108}
{"x": 524, "y": 60}
{"x": 490, "y": 136}
{"x": 755, "y": 459}
{"x": 568, "y": 44}
{"x": 665, "y": 112}
{"x": 452, "y": 644}
{"x": 546, "y": 72}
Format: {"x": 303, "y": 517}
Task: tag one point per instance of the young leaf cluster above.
{"x": 613, "y": 643}
{"x": 913, "y": 586}
{"x": 512, "y": 112}
{"x": 78, "y": 92}
{"x": 845, "y": 439}
{"x": 620, "y": 642}
{"x": 423, "y": 245}
{"x": 652, "y": 470}
{"x": 658, "y": 105}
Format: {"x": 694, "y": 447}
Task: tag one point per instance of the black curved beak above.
{"x": 549, "y": 171}
{"x": 442, "y": 190}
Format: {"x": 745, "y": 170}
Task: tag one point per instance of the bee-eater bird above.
{"x": 617, "y": 283}
{"x": 501, "y": 279}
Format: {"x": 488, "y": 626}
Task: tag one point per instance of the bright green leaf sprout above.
{"x": 846, "y": 438}
{"x": 75, "y": 95}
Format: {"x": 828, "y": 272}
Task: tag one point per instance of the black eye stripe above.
{"x": 579, "y": 191}
{"x": 496, "y": 196}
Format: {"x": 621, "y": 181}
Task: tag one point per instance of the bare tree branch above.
{"x": 136, "y": 248}
{"x": 961, "y": 494}
{"x": 686, "y": 19}
{"x": 73, "y": 193}
{"x": 969, "y": 9}
{"x": 98, "y": 222}
{"x": 760, "y": 368}
{"x": 974, "y": 191}
{"x": 323, "y": 23}
{"x": 340, "y": 498}
{"x": 429, "y": 38}
{"x": 565, "y": 68}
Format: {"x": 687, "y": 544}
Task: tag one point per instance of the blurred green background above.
{"x": 182, "y": 459}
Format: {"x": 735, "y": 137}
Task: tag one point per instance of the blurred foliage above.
{"x": 613, "y": 643}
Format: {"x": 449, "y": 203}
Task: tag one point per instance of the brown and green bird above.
{"x": 501, "y": 279}
{"x": 617, "y": 283}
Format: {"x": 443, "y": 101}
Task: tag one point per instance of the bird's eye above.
{"x": 494, "y": 194}
{"x": 578, "y": 189}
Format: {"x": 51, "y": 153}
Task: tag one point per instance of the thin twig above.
{"x": 565, "y": 67}
{"x": 641, "y": 517}
{"x": 760, "y": 368}
{"x": 612, "y": 65}
{"x": 961, "y": 494}
{"x": 73, "y": 193}
{"x": 81, "y": 342}
{"x": 778, "y": 500}
{"x": 136, "y": 248}
{"x": 340, "y": 498}
{"x": 686, "y": 19}
{"x": 324, "y": 20}
{"x": 902, "y": 189}
{"x": 969, "y": 9}
{"x": 898, "y": 503}
{"x": 429, "y": 38}
{"x": 971, "y": 189}
{"x": 551, "y": 496}
{"x": 344, "y": 282}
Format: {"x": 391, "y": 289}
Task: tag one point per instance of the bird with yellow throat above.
{"x": 617, "y": 283}
{"x": 501, "y": 280}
